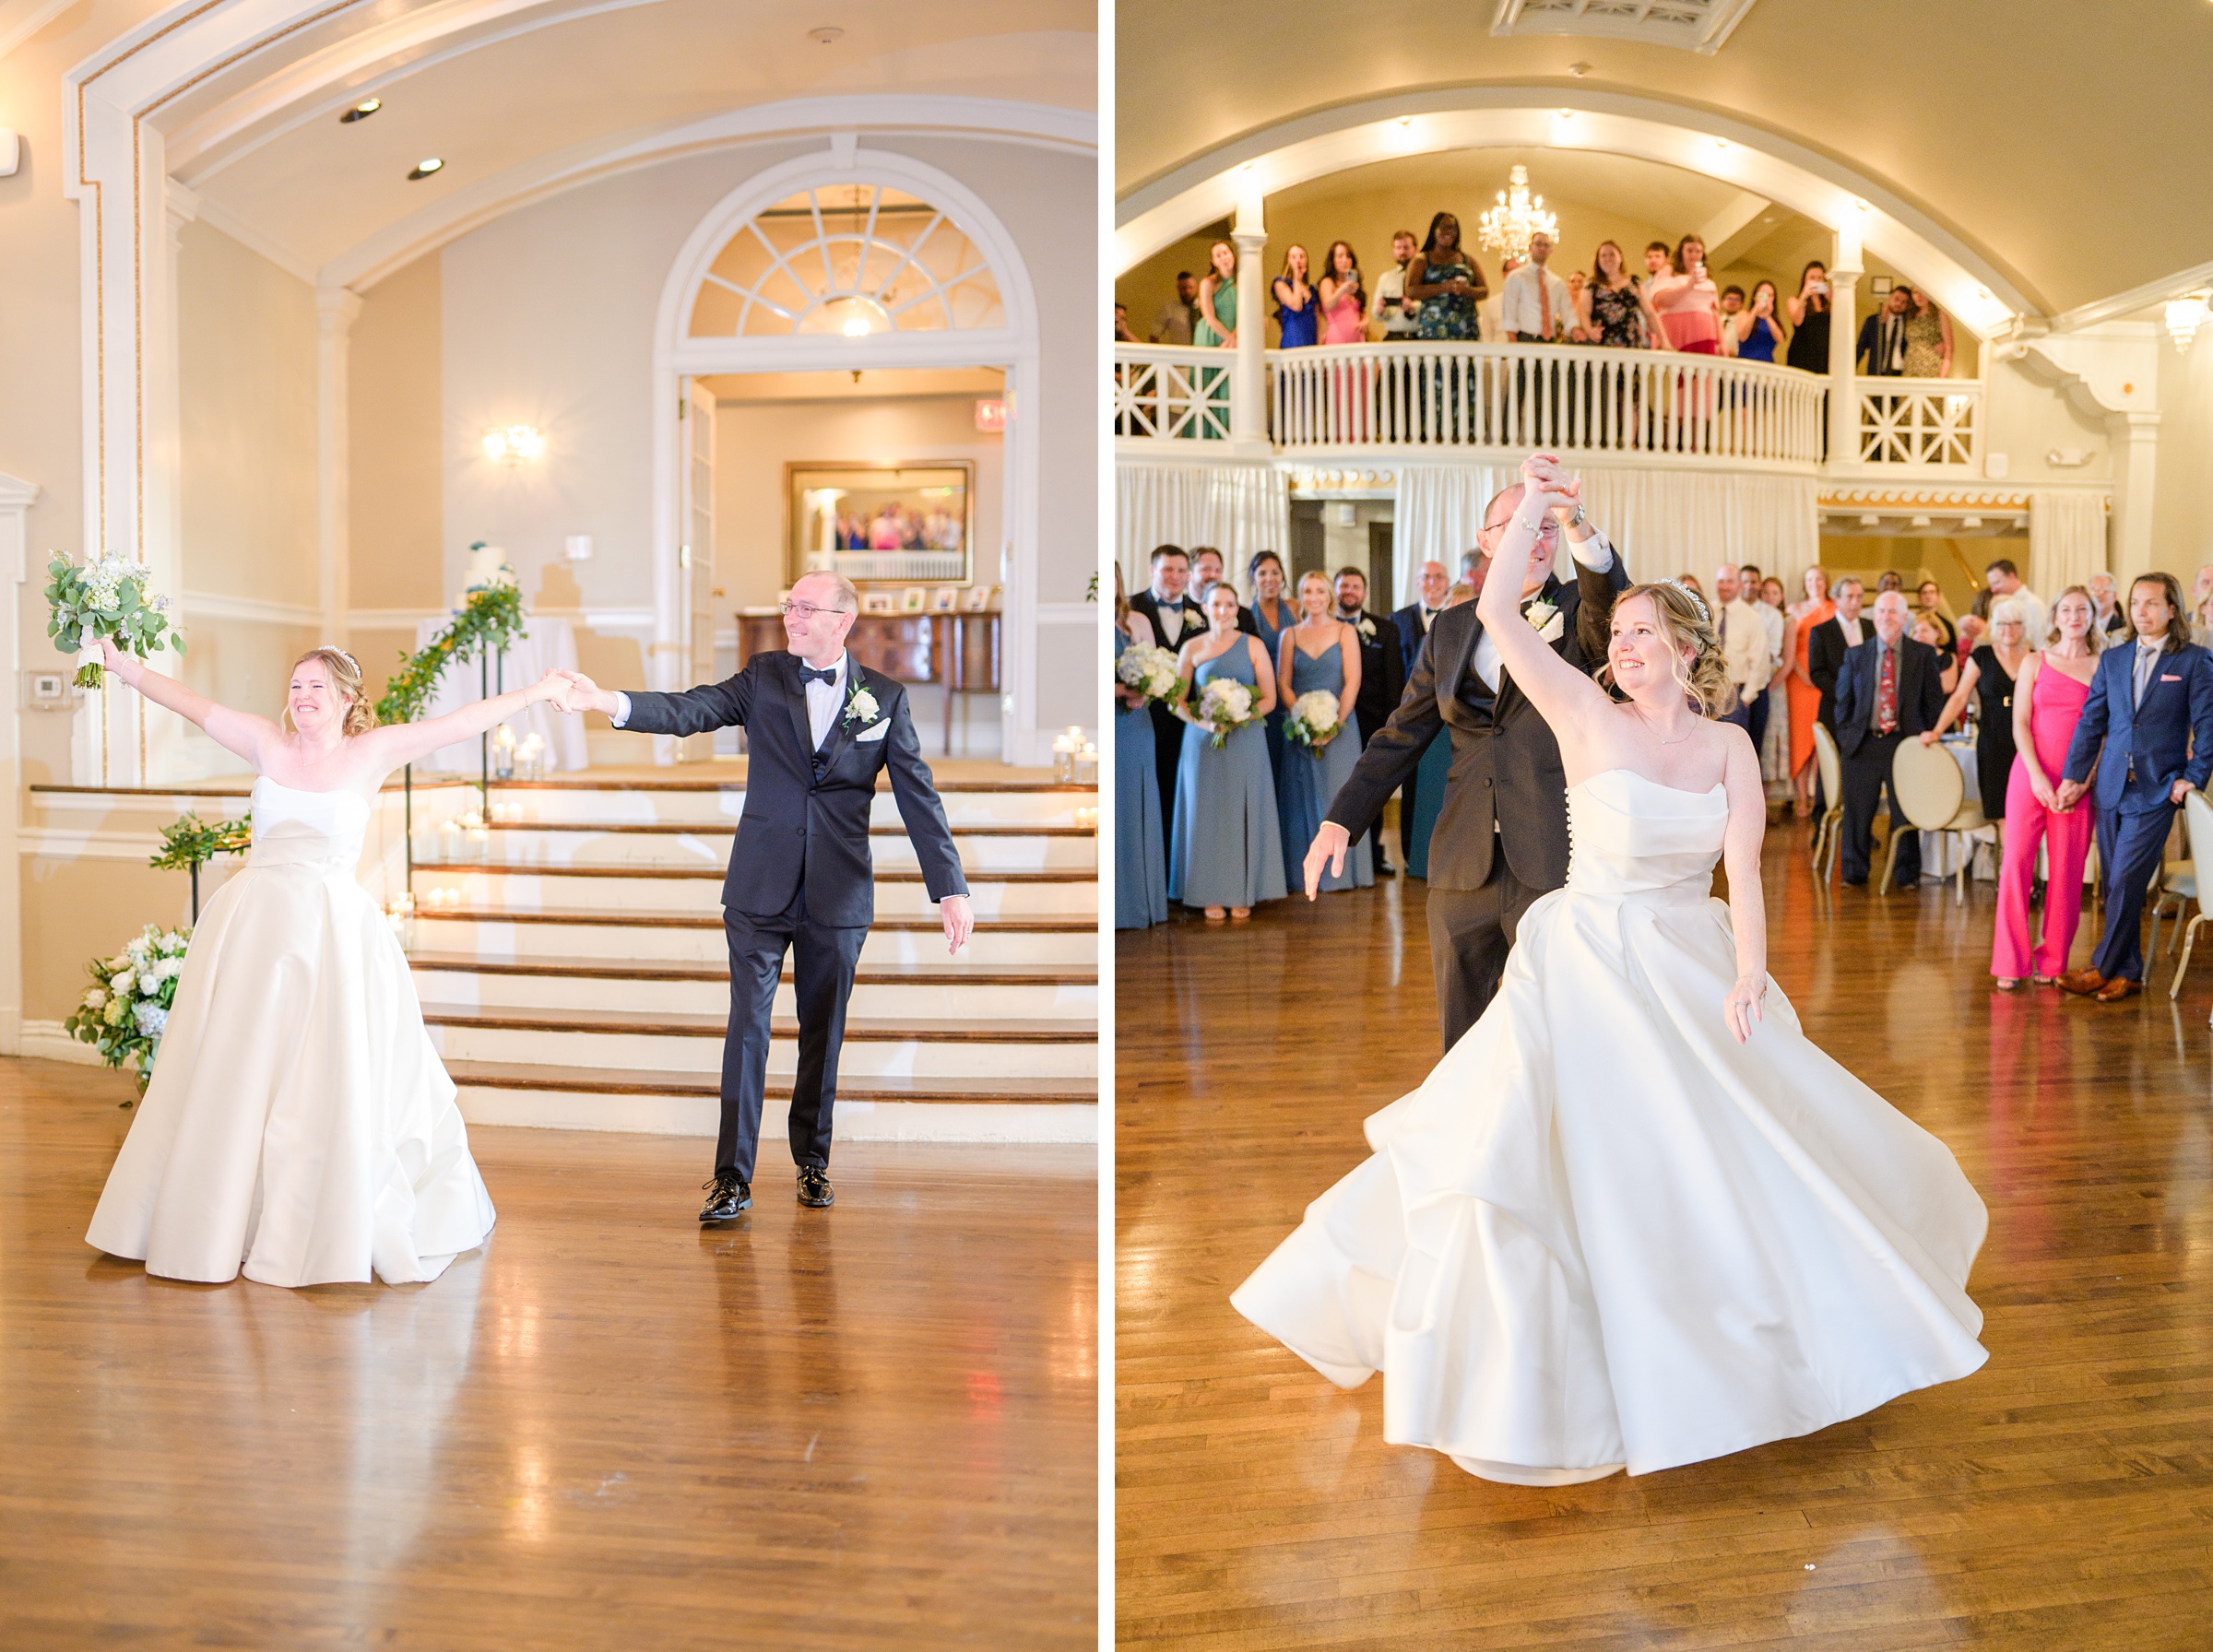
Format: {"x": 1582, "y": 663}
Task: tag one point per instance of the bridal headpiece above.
{"x": 1697, "y": 601}
{"x": 334, "y": 648}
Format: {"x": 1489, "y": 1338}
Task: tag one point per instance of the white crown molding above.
{"x": 399, "y": 244}
{"x": 19, "y": 19}
{"x": 1233, "y": 176}
{"x": 61, "y": 843}
{"x": 2197, "y": 278}
{"x": 210, "y": 604}
{"x": 216, "y": 216}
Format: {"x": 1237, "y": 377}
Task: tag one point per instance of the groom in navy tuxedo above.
{"x": 820, "y": 726}
{"x": 2148, "y": 727}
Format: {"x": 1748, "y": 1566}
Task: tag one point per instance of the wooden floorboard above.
{"x": 2060, "y": 1498}
{"x": 868, "y": 1426}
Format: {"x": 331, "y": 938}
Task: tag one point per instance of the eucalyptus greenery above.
{"x": 106, "y": 598}
{"x": 492, "y": 619}
{"x": 190, "y": 843}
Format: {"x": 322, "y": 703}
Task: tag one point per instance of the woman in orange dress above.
{"x": 1805, "y": 698}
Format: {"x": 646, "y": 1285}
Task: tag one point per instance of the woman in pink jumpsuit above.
{"x": 2047, "y": 703}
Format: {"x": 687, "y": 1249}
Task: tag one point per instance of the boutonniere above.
{"x": 860, "y": 705}
{"x": 1368, "y": 628}
{"x": 1545, "y": 617}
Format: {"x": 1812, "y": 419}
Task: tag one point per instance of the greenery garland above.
{"x": 492, "y": 619}
{"x": 190, "y": 843}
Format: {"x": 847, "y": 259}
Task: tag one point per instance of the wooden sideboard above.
{"x": 959, "y": 653}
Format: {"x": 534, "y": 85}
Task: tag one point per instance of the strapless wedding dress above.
{"x": 1603, "y": 1233}
{"x": 299, "y": 1125}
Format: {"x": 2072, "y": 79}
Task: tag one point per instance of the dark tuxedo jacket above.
{"x": 1920, "y": 692}
{"x": 2141, "y": 749}
{"x": 1382, "y": 672}
{"x": 796, "y": 827}
{"x": 1409, "y": 622}
{"x": 1825, "y": 652}
{"x": 1869, "y": 349}
{"x": 1194, "y": 618}
{"x": 1506, "y": 785}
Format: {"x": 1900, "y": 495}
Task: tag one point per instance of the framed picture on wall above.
{"x": 879, "y": 602}
{"x": 944, "y": 599}
{"x": 914, "y": 600}
{"x": 878, "y": 524}
{"x": 976, "y": 599}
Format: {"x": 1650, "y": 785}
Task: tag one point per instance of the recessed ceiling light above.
{"x": 825, "y": 37}
{"x": 362, "y": 111}
{"x": 423, "y": 168}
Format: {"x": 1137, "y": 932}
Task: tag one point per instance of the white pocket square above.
{"x": 875, "y": 732}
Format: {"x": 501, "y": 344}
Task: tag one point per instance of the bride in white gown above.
{"x": 1634, "y": 1218}
{"x": 299, "y": 1125}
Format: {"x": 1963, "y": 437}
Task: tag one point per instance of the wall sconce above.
{"x": 514, "y": 444}
{"x": 2185, "y": 316}
{"x": 11, "y": 152}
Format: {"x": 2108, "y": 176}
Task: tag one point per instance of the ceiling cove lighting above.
{"x": 362, "y": 111}
{"x": 423, "y": 168}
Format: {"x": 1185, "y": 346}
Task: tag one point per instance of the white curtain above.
{"x": 1237, "y": 509}
{"x": 2066, "y": 538}
{"x": 1437, "y": 514}
{"x": 1663, "y": 522}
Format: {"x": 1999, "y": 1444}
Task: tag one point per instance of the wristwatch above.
{"x": 1577, "y": 520}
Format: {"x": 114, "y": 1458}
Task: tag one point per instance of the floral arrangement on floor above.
{"x": 125, "y": 1010}
{"x": 106, "y": 598}
{"x": 1149, "y": 670}
{"x": 1313, "y": 719}
{"x": 492, "y": 619}
{"x": 1225, "y": 706}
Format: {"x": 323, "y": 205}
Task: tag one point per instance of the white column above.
{"x": 2136, "y": 438}
{"x": 15, "y": 569}
{"x": 1248, "y": 384}
{"x": 1844, "y": 274}
{"x": 336, "y": 308}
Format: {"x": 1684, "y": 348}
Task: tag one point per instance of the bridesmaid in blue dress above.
{"x": 1296, "y": 311}
{"x": 1757, "y": 334}
{"x": 1227, "y": 851}
{"x": 1141, "y": 860}
{"x": 1307, "y": 664}
{"x": 1272, "y": 613}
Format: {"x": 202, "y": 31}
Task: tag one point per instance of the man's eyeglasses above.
{"x": 808, "y": 611}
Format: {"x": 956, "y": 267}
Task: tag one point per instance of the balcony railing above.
{"x": 1920, "y": 422}
{"x": 1508, "y": 398}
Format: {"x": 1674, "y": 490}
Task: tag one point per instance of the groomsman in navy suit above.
{"x": 2147, "y": 729}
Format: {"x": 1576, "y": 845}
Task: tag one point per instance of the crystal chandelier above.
{"x": 1505, "y": 228}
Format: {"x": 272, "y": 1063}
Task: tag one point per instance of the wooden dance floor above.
{"x": 874, "y": 1424}
{"x": 2060, "y": 1499}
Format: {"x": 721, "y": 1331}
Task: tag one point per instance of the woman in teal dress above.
{"x": 1428, "y": 799}
{"x": 1272, "y": 613}
{"x": 1215, "y": 328}
{"x": 1141, "y": 859}
{"x": 1227, "y": 853}
{"x": 1449, "y": 286}
{"x": 1321, "y": 654}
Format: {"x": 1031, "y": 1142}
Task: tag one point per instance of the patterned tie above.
{"x": 1886, "y": 691}
{"x": 1545, "y": 303}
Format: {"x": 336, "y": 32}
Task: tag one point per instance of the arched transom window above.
{"x": 846, "y": 258}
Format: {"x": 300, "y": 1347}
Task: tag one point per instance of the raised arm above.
{"x": 240, "y": 733}
{"x": 399, "y": 744}
{"x": 1563, "y": 695}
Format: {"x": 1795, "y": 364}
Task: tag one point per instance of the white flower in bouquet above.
{"x": 106, "y": 598}
{"x": 95, "y": 998}
{"x": 1313, "y": 717}
{"x": 125, "y": 1011}
{"x": 123, "y": 984}
{"x": 1148, "y": 670}
{"x": 1225, "y": 706}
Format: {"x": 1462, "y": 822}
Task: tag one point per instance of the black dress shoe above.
{"x": 726, "y": 1197}
{"x": 815, "y": 1187}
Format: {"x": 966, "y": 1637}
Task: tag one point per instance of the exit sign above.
{"x": 991, "y": 415}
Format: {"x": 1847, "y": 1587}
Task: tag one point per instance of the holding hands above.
{"x": 1550, "y": 486}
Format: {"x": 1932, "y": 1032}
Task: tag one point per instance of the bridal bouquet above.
{"x": 126, "y": 1010}
{"x": 1225, "y": 706}
{"x": 1148, "y": 670}
{"x": 1313, "y": 718}
{"x": 106, "y": 598}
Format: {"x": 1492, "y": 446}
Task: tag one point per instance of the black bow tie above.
{"x": 808, "y": 674}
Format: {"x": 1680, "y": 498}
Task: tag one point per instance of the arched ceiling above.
{"x": 498, "y": 88}
{"x": 2060, "y": 145}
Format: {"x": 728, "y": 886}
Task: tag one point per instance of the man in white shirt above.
{"x": 1388, "y": 305}
{"x": 1173, "y": 326}
{"x": 1489, "y": 326}
{"x": 1535, "y": 306}
{"x": 1743, "y": 638}
{"x": 2036, "y": 613}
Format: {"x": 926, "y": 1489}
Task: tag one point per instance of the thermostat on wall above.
{"x": 45, "y": 691}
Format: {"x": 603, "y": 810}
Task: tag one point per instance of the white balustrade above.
{"x": 1510, "y": 398}
{"x": 1920, "y": 422}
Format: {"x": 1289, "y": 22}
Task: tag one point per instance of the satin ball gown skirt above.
{"x": 299, "y": 1126}
{"x": 1603, "y": 1233}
